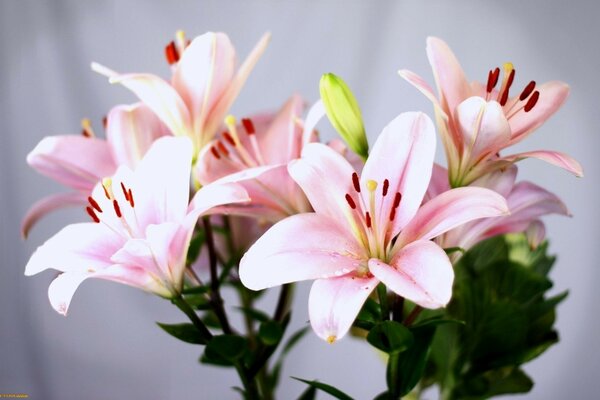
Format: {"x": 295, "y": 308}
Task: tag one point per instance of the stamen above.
{"x": 386, "y": 185}
{"x": 228, "y": 137}
{"x": 509, "y": 82}
{"x": 223, "y": 149}
{"x": 215, "y": 153}
{"x": 248, "y": 126}
{"x": 368, "y": 219}
{"x": 392, "y": 214}
{"x": 493, "y": 79}
{"x": 104, "y": 122}
{"x": 350, "y": 201}
{"x": 125, "y": 193}
{"x": 397, "y": 199}
{"x": 131, "y": 198}
{"x": 117, "y": 208}
{"x": 171, "y": 53}
{"x": 230, "y": 123}
{"x": 94, "y": 204}
{"x": 532, "y": 101}
{"x": 86, "y": 128}
{"x": 107, "y": 186}
{"x": 527, "y": 91}
{"x": 356, "y": 182}
{"x": 92, "y": 214}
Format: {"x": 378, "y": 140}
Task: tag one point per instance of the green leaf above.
{"x": 309, "y": 394}
{"x": 270, "y": 333}
{"x": 195, "y": 246}
{"x": 186, "y": 332}
{"x": 390, "y": 337}
{"x": 254, "y": 314}
{"x": 450, "y": 250}
{"x": 226, "y": 347}
{"x": 336, "y": 393}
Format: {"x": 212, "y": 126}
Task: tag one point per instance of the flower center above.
{"x": 240, "y": 154}
{"x": 526, "y": 100}
{"x": 98, "y": 215}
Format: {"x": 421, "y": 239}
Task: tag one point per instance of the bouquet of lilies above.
{"x": 442, "y": 269}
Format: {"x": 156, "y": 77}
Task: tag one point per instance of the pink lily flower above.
{"x": 255, "y": 154}
{"x": 347, "y": 245}
{"x": 79, "y": 162}
{"x": 526, "y": 201}
{"x": 141, "y": 227}
{"x": 477, "y": 120}
{"x": 203, "y": 86}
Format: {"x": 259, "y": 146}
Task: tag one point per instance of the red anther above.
{"x": 355, "y": 182}
{"x": 117, "y": 208}
{"x": 248, "y": 126}
{"x": 397, "y": 199}
{"x": 215, "y": 153}
{"x": 350, "y": 201}
{"x": 223, "y": 149}
{"x": 368, "y": 219}
{"x": 228, "y": 137}
{"x": 125, "y": 193}
{"x": 104, "y": 122}
{"x": 493, "y": 79}
{"x": 131, "y": 198}
{"x": 527, "y": 91}
{"x": 509, "y": 82}
{"x": 94, "y": 204}
{"x": 392, "y": 214}
{"x": 171, "y": 53}
{"x": 386, "y": 186}
{"x": 106, "y": 192}
{"x": 85, "y": 133}
{"x": 92, "y": 214}
{"x": 532, "y": 101}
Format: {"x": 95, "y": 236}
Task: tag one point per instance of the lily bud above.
{"x": 343, "y": 113}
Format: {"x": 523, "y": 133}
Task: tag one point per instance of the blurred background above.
{"x": 109, "y": 345}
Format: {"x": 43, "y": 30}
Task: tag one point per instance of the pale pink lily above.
{"x": 348, "y": 244}
{"x": 255, "y": 154}
{"x": 141, "y": 227}
{"x": 527, "y": 203}
{"x": 477, "y": 121}
{"x": 79, "y": 162}
{"x": 203, "y": 86}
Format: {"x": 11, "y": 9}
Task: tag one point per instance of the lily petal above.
{"x": 403, "y": 154}
{"x": 421, "y": 85}
{"x": 282, "y": 141}
{"x": 211, "y": 196}
{"x": 420, "y": 272}
{"x": 301, "y": 247}
{"x": 158, "y": 95}
{"x": 552, "y": 96}
{"x": 559, "y": 159}
{"x": 49, "y": 204}
{"x": 500, "y": 181}
{"x": 451, "y": 209}
{"x": 62, "y": 289}
{"x": 315, "y": 114}
{"x": 130, "y": 131}
{"x": 75, "y": 161}
{"x": 334, "y": 303}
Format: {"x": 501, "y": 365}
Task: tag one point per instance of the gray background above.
{"x": 109, "y": 347}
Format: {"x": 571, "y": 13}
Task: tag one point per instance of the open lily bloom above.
{"x": 79, "y": 162}
{"x": 527, "y": 202}
{"x": 255, "y": 154}
{"x": 203, "y": 86}
{"x": 141, "y": 227}
{"x": 347, "y": 245}
{"x": 477, "y": 121}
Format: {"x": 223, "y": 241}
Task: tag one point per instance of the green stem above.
{"x": 413, "y": 315}
{"x": 283, "y": 302}
{"x": 189, "y": 311}
{"x": 383, "y": 302}
{"x": 217, "y": 300}
{"x": 392, "y": 376}
{"x": 248, "y": 382}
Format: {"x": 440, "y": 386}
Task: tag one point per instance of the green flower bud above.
{"x": 343, "y": 113}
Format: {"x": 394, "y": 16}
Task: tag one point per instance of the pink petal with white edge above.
{"x": 559, "y": 159}
{"x": 420, "y": 272}
{"x": 484, "y": 128}
{"x": 77, "y": 247}
{"x": 210, "y": 197}
{"x": 130, "y": 131}
{"x": 162, "y": 182}
{"x": 203, "y": 73}
{"x": 62, "y": 289}
{"x": 325, "y": 177}
{"x": 315, "y": 113}
{"x": 282, "y": 142}
{"x": 334, "y": 303}
{"x": 500, "y": 181}
{"x": 438, "y": 183}
{"x": 301, "y": 247}
{"x": 403, "y": 154}
{"x": 75, "y": 161}
{"x": 157, "y": 94}
{"x": 449, "y": 76}
{"x": 552, "y": 96}
{"x": 237, "y": 83}
{"x": 451, "y": 209}
{"x": 49, "y": 204}
{"x": 421, "y": 85}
